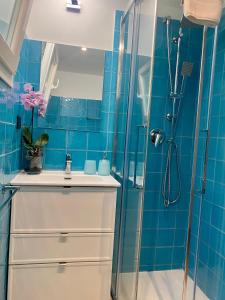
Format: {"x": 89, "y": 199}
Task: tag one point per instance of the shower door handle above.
{"x": 135, "y": 184}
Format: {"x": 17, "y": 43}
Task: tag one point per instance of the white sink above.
{"x": 56, "y": 178}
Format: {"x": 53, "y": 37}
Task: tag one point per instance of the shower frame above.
{"x": 206, "y": 130}
{"x": 135, "y": 32}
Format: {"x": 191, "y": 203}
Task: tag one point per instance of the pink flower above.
{"x": 41, "y": 111}
{"x": 28, "y": 87}
{"x": 33, "y": 99}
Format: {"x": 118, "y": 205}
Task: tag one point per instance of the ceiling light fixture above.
{"x": 74, "y": 5}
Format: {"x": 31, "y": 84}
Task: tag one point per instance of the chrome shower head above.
{"x": 187, "y": 69}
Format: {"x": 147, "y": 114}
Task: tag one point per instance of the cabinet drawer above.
{"x": 47, "y": 210}
{"x": 37, "y": 248}
{"x": 75, "y": 281}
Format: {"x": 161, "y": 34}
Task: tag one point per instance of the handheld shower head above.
{"x": 187, "y": 69}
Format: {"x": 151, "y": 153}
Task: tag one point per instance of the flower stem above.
{"x": 32, "y": 122}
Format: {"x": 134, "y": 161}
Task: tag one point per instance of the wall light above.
{"x": 73, "y": 5}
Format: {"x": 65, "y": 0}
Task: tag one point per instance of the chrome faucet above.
{"x": 68, "y": 167}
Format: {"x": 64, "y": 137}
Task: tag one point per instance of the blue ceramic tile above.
{"x": 34, "y": 51}
{"x": 55, "y": 159}
{"x": 148, "y": 256}
{"x": 149, "y": 238}
{"x": 78, "y": 160}
{"x": 118, "y": 17}
{"x": 57, "y": 139}
{"x": 2, "y": 140}
{"x": 178, "y": 255}
{"x": 96, "y": 142}
{"x": 77, "y": 140}
{"x": 116, "y": 41}
{"x": 163, "y": 256}
{"x": 165, "y": 237}
{"x": 107, "y": 82}
{"x": 108, "y": 61}
{"x": 115, "y": 58}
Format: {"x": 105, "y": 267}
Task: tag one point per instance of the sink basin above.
{"x": 56, "y": 178}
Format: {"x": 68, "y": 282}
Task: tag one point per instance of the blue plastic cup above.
{"x": 90, "y": 167}
{"x": 104, "y": 167}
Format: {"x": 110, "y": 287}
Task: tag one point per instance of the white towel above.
{"x": 203, "y": 12}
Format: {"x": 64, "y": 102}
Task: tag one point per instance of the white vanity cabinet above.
{"x": 61, "y": 243}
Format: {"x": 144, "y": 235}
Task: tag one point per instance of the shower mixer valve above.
{"x": 157, "y": 137}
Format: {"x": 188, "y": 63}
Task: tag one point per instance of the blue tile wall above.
{"x": 10, "y": 153}
{"x": 211, "y": 262}
{"x": 164, "y": 229}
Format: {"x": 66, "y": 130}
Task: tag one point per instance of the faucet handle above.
{"x": 68, "y": 157}
{"x": 157, "y": 136}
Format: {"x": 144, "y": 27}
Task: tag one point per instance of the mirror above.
{"x": 71, "y": 79}
{"x": 71, "y": 72}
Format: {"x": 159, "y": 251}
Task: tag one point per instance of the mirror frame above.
{"x": 9, "y": 55}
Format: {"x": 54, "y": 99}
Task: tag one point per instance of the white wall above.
{"x": 93, "y": 27}
{"x": 75, "y": 85}
{"x": 170, "y": 8}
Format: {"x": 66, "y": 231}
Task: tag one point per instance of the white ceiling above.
{"x": 72, "y": 59}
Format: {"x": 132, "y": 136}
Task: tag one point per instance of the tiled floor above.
{"x": 165, "y": 285}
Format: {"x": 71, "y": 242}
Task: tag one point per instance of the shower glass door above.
{"x": 130, "y": 141}
{"x": 122, "y": 96}
{"x": 208, "y": 243}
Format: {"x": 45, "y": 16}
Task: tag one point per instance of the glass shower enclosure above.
{"x": 130, "y": 143}
{"x": 161, "y": 149}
